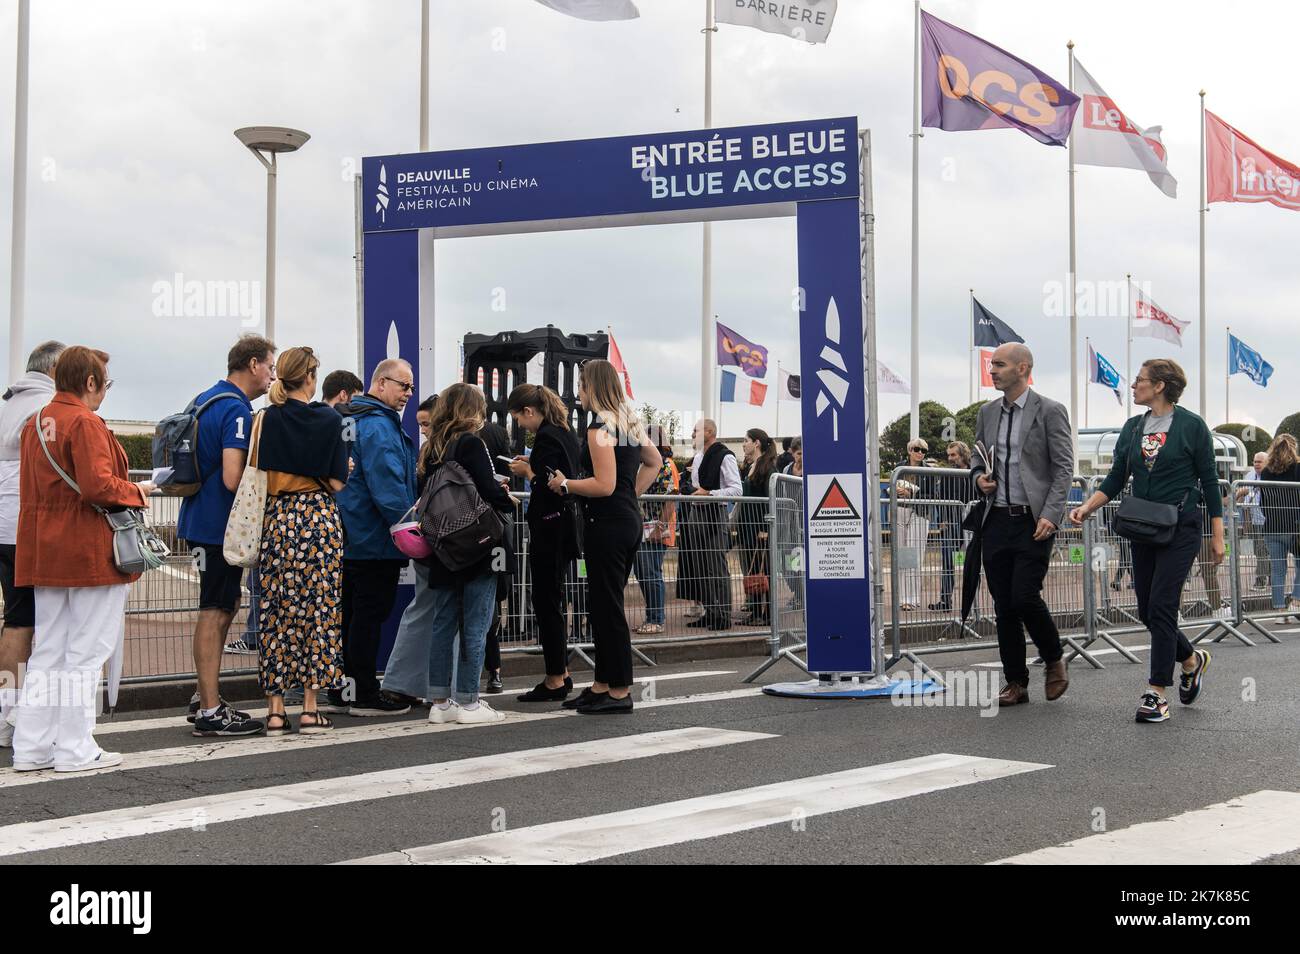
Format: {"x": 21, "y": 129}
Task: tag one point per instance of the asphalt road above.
{"x": 1029, "y": 778}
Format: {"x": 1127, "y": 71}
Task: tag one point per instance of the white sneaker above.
{"x": 440, "y": 716}
{"x": 480, "y": 713}
{"x": 101, "y": 761}
{"x": 6, "y": 734}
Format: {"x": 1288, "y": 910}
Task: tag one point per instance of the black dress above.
{"x": 552, "y": 540}
{"x": 611, "y": 535}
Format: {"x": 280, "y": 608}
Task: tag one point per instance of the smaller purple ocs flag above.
{"x": 968, "y": 83}
{"x": 733, "y": 349}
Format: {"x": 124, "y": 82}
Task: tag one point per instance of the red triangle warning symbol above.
{"x": 835, "y": 504}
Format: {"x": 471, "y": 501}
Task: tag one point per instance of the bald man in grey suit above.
{"x": 1025, "y": 504}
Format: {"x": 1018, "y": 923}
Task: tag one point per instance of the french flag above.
{"x": 756, "y": 396}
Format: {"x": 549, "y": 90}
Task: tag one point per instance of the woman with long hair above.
{"x": 1279, "y": 505}
{"x": 299, "y": 442}
{"x": 622, "y": 463}
{"x": 552, "y": 532}
{"x": 759, "y": 466}
{"x": 464, "y": 599}
{"x": 1169, "y": 454}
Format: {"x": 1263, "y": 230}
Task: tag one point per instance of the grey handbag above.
{"x": 136, "y": 548}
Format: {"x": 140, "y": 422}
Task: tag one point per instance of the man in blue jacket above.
{"x": 379, "y": 491}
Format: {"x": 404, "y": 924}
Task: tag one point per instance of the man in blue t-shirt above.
{"x": 224, "y": 431}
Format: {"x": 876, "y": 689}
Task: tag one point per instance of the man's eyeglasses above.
{"x": 405, "y": 386}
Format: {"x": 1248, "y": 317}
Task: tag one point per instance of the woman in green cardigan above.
{"x": 1169, "y": 453}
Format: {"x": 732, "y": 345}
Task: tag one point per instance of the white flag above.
{"x": 1104, "y": 136}
{"x": 1151, "y": 321}
{"x": 808, "y": 20}
{"x": 890, "y": 383}
{"x": 595, "y": 9}
{"x": 789, "y": 385}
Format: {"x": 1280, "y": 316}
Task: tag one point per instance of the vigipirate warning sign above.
{"x": 835, "y": 527}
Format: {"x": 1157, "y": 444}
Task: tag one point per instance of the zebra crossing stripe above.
{"x": 594, "y": 837}
{"x": 410, "y": 780}
{"x": 1237, "y": 832}
{"x": 208, "y": 750}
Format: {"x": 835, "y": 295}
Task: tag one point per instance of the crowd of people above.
{"x": 339, "y": 475}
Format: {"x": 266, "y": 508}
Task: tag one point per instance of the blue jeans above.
{"x": 474, "y": 600}
{"x": 650, "y": 577}
{"x": 1278, "y": 546}
{"x": 409, "y": 669}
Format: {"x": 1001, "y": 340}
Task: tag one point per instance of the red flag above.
{"x": 1238, "y": 169}
{"x": 986, "y": 379}
{"x": 757, "y": 393}
{"x": 616, "y": 359}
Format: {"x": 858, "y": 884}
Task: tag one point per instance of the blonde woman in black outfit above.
{"x": 623, "y": 463}
{"x": 552, "y": 535}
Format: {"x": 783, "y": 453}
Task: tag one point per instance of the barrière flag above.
{"x": 808, "y": 20}
{"x": 595, "y": 9}
{"x": 789, "y": 386}
{"x": 1152, "y": 321}
{"x": 1238, "y": 169}
{"x": 1104, "y": 136}
{"x": 1246, "y": 360}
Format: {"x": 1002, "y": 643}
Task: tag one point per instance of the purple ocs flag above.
{"x": 733, "y": 349}
{"x": 968, "y": 83}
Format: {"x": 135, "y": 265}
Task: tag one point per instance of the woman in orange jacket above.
{"x": 65, "y": 551}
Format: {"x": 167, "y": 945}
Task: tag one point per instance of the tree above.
{"x": 670, "y": 421}
{"x": 1290, "y": 425}
{"x": 966, "y": 420}
{"x": 937, "y": 424}
{"x": 1256, "y": 439}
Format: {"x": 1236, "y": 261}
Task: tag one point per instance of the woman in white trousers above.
{"x": 65, "y": 552}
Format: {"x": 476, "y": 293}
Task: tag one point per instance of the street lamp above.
{"x": 265, "y": 142}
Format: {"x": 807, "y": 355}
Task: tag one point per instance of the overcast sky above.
{"x": 134, "y": 176}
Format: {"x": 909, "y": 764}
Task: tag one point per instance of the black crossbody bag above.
{"x": 1146, "y": 521}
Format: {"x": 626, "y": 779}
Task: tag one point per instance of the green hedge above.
{"x": 139, "y": 450}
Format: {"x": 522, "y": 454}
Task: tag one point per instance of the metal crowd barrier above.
{"x": 738, "y": 564}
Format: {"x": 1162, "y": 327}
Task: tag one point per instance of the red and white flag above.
{"x": 986, "y": 369}
{"x": 616, "y": 359}
{"x": 1152, "y": 321}
{"x": 1104, "y": 136}
{"x": 1238, "y": 169}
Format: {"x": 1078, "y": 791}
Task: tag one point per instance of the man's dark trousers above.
{"x": 369, "y": 592}
{"x": 1014, "y": 567}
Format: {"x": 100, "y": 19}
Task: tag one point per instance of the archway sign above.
{"x": 805, "y": 169}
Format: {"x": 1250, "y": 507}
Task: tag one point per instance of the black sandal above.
{"x": 284, "y": 729}
{"x": 319, "y": 724}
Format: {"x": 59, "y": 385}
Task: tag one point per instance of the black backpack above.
{"x": 460, "y": 526}
{"x": 176, "y": 445}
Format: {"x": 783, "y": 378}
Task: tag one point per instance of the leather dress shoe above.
{"x": 1056, "y": 679}
{"x": 1013, "y": 694}
{"x": 605, "y": 704}
{"x": 582, "y": 699}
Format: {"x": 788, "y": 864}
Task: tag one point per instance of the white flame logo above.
{"x": 835, "y": 386}
{"x": 381, "y": 196}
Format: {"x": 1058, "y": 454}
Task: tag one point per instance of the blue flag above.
{"x": 1101, "y": 371}
{"x": 1242, "y": 357}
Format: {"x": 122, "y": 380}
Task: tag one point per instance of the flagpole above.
{"x": 18, "y": 233}
{"x": 1074, "y": 309}
{"x": 424, "y": 75}
{"x": 708, "y": 393}
{"x": 1227, "y": 374}
{"x": 1088, "y": 342}
{"x": 1202, "y": 210}
{"x": 916, "y": 223}
{"x": 777, "y": 435}
{"x": 970, "y": 348}
{"x": 1128, "y": 344}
